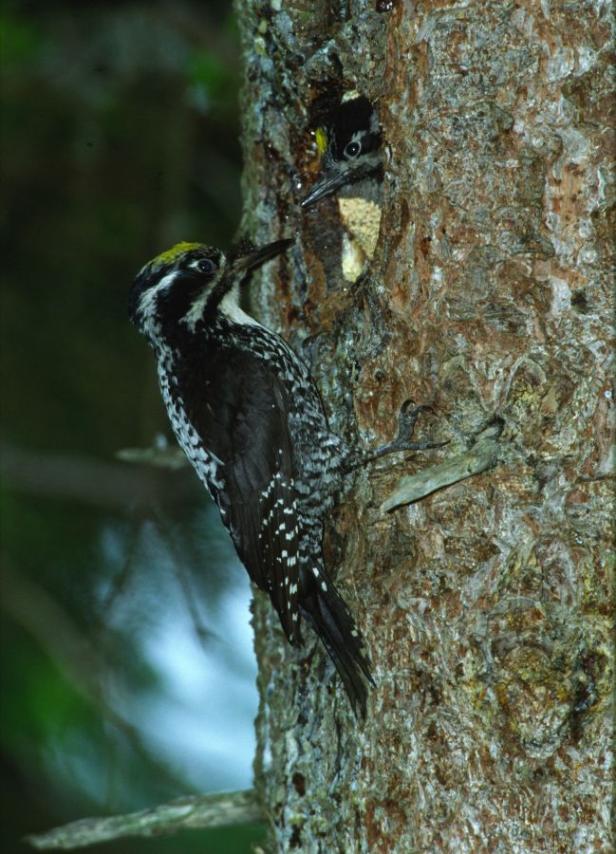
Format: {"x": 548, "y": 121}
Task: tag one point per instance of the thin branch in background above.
{"x": 190, "y": 813}
{"x": 160, "y": 454}
{"x": 203, "y": 634}
{"x": 89, "y": 481}
{"x": 118, "y": 584}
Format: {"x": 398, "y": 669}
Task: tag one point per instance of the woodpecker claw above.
{"x": 407, "y": 418}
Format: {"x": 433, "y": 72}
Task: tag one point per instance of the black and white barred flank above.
{"x": 246, "y": 413}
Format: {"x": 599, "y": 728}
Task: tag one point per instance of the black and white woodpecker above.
{"x": 247, "y": 414}
{"x": 350, "y": 145}
{"x": 245, "y": 411}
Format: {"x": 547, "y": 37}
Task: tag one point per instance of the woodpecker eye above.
{"x": 205, "y": 265}
{"x": 352, "y": 149}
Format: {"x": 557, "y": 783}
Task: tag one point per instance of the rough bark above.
{"x": 486, "y": 606}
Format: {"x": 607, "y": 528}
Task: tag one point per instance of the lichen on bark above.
{"x": 487, "y": 606}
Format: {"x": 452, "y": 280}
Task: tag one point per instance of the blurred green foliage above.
{"x": 119, "y": 137}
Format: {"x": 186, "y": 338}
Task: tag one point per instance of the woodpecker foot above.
{"x": 407, "y": 418}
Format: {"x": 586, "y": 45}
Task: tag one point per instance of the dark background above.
{"x": 127, "y": 666}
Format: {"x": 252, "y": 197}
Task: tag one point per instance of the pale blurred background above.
{"x": 128, "y": 675}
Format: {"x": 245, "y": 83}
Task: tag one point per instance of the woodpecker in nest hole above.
{"x": 352, "y": 159}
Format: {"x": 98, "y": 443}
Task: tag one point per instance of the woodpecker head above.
{"x": 191, "y": 282}
{"x": 351, "y": 148}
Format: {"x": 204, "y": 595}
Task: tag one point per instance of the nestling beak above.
{"x": 251, "y": 260}
{"x": 325, "y": 186}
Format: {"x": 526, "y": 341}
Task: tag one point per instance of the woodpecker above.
{"x": 248, "y": 416}
{"x": 352, "y": 154}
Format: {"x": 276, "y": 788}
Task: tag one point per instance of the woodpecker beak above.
{"x": 245, "y": 263}
{"x": 325, "y": 186}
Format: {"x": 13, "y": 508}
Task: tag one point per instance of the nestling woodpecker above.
{"x": 352, "y": 152}
{"x": 248, "y": 416}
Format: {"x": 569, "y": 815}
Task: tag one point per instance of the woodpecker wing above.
{"x": 241, "y": 418}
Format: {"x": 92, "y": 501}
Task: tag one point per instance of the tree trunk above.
{"x": 487, "y": 606}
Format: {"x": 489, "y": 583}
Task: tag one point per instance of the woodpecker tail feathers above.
{"x": 331, "y": 620}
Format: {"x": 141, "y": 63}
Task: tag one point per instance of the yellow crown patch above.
{"x": 172, "y": 254}
{"x": 321, "y": 140}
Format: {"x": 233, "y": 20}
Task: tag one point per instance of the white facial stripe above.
{"x": 194, "y": 314}
{"x": 229, "y": 306}
{"x": 148, "y": 300}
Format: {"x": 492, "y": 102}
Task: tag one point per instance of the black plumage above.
{"x": 246, "y": 412}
